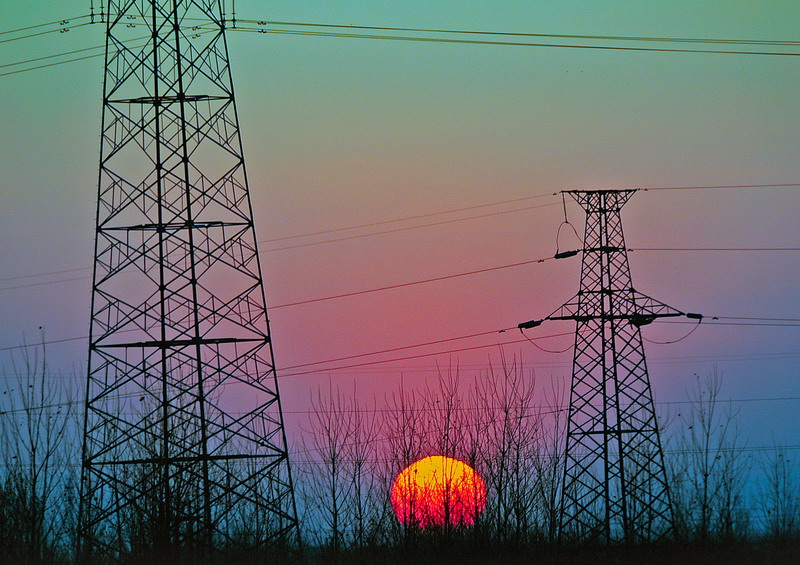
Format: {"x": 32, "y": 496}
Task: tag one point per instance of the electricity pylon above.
{"x": 615, "y": 485}
{"x": 184, "y": 446}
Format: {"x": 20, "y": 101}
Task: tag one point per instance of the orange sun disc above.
{"x": 437, "y": 490}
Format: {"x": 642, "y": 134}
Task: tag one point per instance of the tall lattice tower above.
{"x": 615, "y": 485}
{"x": 184, "y": 444}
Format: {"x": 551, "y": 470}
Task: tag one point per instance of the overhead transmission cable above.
{"x": 353, "y": 227}
{"x": 410, "y": 283}
{"x": 261, "y": 23}
{"x": 402, "y": 348}
{"x": 449, "y": 40}
{"x": 94, "y": 48}
{"x": 44, "y": 58}
{"x": 74, "y": 59}
{"x": 403, "y": 229}
{"x": 713, "y": 249}
{"x": 459, "y": 350}
{"x": 526, "y": 34}
{"x": 407, "y": 358}
{"x": 777, "y": 322}
{"x": 62, "y": 30}
{"x": 36, "y": 26}
{"x": 774, "y": 324}
{"x": 407, "y": 218}
{"x": 671, "y": 341}
{"x": 413, "y": 283}
{"x": 20, "y": 277}
{"x": 671, "y": 359}
{"x": 721, "y": 186}
{"x": 66, "y": 25}
{"x": 444, "y": 212}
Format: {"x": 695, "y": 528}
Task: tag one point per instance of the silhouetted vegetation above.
{"x": 728, "y": 507}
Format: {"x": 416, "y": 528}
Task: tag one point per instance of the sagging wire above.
{"x": 571, "y": 253}
{"x": 522, "y": 331}
{"x": 699, "y": 319}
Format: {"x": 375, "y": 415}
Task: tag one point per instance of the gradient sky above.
{"x": 342, "y": 132}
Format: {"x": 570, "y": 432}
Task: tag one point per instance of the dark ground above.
{"x": 737, "y": 553}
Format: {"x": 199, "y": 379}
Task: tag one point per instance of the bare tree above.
{"x": 360, "y": 453}
{"x": 779, "y": 496}
{"x": 549, "y": 464}
{"x": 512, "y": 442}
{"x": 338, "y": 480}
{"x": 38, "y": 483}
{"x": 405, "y": 442}
{"x": 708, "y": 473}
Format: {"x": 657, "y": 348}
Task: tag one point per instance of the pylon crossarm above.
{"x": 633, "y": 306}
{"x": 635, "y": 319}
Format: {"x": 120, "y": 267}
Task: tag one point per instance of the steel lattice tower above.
{"x": 184, "y": 444}
{"x": 615, "y": 484}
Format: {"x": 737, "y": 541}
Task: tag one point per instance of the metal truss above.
{"x": 184, "y": 445}
{"x": 615, "y": 486}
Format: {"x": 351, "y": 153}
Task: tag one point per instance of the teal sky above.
{"x": 341, "y": 132}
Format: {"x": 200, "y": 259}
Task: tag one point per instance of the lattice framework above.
{"x": 184, "y": 443}
{"x": 614, "y": 483}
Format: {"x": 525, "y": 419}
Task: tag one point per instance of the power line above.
{"x": 61, "y": 22}
{"x": 28, "y": 285}
{"x": 708, "y": 321}
{"x": 523, "y": 34}
{"x": 65, "y": 27}
{"x": 7, "y": 73}
{"x": 53, "y": 56}
{"x": 444, "y": 40}
{"x": 552, "y": 410}
{"x": 663, "y": 360}
{"x": 722, "y": 186}
{"x": 639, "y": 249}
{"x": 731, "y": 357}
{"x": 622, "y": 38}
{"x": 346, "y": 228}
{"x": 403, "y": 348}
{"x": 656, "y": 359}
{"x": 539, "y": 206}
{"x": 417, "y": 217}
{"x": 67, "y": 60}
{"x": 412, "y": 283}
{"x": 46, "y": 342}
{"x": 19, "y": 277}
{"x": 671, "y": 341}
{"x": 447, "y": 352}
{"x": 619, "y": 38}
{"x": 712, "y": 323}
{"x": 715, "y": 249}
{"x": 38, "y": 34}
{"x": 753, "y": 318}
{"x": 408, "y": 228}
{"x": 67, "y": 53}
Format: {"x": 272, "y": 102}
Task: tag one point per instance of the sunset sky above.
{"x": 342, "y": 132}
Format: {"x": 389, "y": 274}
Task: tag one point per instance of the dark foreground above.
{"x": 736, "y": 553}
{"x": 713, "y": 553}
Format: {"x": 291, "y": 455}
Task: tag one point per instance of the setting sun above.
{"x": 437, "y": 490}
